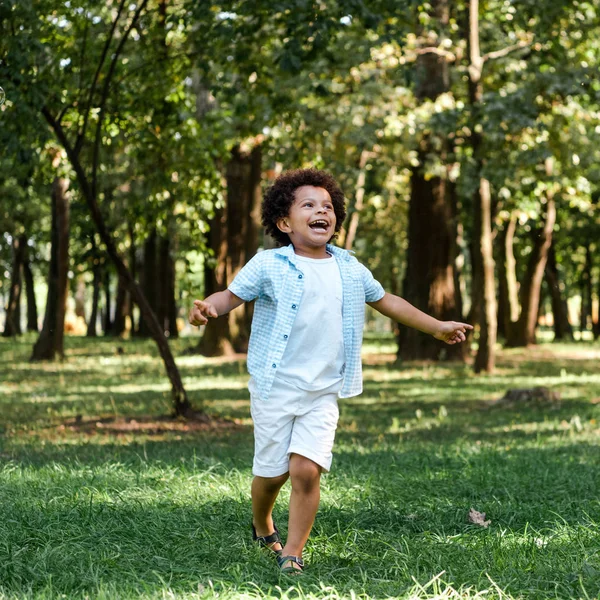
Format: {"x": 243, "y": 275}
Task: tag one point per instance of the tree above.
{"x": 50, "y": 342}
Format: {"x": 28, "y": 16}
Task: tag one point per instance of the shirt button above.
{"x": 299, "y": 276}
{"x": 285, "y": 337}
{"x": 273, "y": 365}
{"x": 293, "y": 306}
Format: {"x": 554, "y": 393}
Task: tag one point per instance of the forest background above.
{"x": 137, "y": 138}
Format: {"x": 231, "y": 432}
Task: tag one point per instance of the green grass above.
{"x": 160, "y": 509}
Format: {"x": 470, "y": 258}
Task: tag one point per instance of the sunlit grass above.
{"x": 90, "y": 511}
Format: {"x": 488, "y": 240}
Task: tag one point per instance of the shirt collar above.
{"x": 288, "y": 252}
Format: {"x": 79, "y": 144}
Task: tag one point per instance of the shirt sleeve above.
{"x": 373, "y": 289}
{"x": 248, "y": 283}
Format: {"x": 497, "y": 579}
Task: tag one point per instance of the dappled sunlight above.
{"x": 101, "y": 473}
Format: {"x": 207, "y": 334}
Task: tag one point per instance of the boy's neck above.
{"x": 310, "y": 252}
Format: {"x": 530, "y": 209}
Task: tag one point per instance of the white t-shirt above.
{"x": 314, "y": 356}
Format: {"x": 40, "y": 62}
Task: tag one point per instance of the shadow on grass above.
{"x": 383, "y": 519}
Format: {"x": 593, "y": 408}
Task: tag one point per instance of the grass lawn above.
{"x": 101, "y": 497}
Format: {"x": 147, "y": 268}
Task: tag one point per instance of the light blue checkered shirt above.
{"x": 274, "y": 278}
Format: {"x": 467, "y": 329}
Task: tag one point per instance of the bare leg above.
{"x": 304, "y": 503}
{"x": 264, "y": 494}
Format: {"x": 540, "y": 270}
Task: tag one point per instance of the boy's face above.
{"x": 311, "y": 221}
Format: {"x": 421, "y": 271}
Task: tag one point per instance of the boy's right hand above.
{"x": 201, "y": 311}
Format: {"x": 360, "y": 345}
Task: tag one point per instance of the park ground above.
{"x": 102, "y": 496}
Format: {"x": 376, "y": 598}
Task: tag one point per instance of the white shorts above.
{"x": 292, "y": 421}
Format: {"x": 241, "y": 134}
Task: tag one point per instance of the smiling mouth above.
{"x": 319, "y": 225}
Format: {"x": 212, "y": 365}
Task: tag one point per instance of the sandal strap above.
{"x": 281, "y": 560}
{"x": 266, "y": 540}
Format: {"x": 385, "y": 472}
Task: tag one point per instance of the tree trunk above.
{"x": 216, "y": 340}
{"x": 50, "y": 342}
{"x": 32, "y": 314}
{"x": 133, "y": 270}
{"x": 254, "y": 219}
{"x": 429, "y": 283}
{"x": 348, "y": 236}
{"x": 483, "y": 259}
{"x": 80, "y": 297}
{"x": 586, "y": 292}
{"x": 107, "y": 317}
{"x": 149, "y": 281}
{"x": 597, "y": 321}
{"x": 96, "y": 283}
{"x": 166, "y": 310}
{"x": 88, "y": 188}
{"x": 486, "y": 353}
{"x": 560, "y": 311}
{"x": 523, "y": 333}
{"x": 239, "y": 201}
{"x": 121, "y": 308}
{"x": 508, "y": 304}
{"x": 12, "y": 324}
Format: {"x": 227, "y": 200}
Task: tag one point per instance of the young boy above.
{"x": 304, "y": 347}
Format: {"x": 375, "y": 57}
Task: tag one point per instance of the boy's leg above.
{"x": 264, "y": 494}
{"x": 304, "y": 503}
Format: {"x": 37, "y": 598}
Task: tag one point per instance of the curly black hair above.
{"x": 279, "y": 198}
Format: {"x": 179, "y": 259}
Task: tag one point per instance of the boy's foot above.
{"x": 271, "y": 542}
{"x": 290, "y": 565}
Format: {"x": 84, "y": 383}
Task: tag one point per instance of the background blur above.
{"x": 137, "y": 138}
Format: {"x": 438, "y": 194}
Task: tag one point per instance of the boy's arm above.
{"x": 217, "y": 304}
{"x": 394, "y": 307}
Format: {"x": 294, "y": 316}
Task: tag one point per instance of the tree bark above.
{"x": 216, "y": 340}
{"x": 50, "y": 342}
{"x": 32, "y": 314}
{"x": 12, "y": 324}
{"x": 560, "y": 311}
{"x": 523, "y": 333}
{"x": 508, "y": 304}
{"x": 429, "y": 282}
{"x": 239, "y": 200}
{"x": 96, "y": 283}
{"x": 254, "y": 218}
{"x": 121, "y": 308}
{"x": 347, "y": 237}
{"x": 133, "y": 270}
{"x": 149, "y": 280}
{"x": 586, "y": 292}
{"x": 167, "y": 309}
{"x": 483, "y": 259}
{"x": 486, "y": 353}
{"x": 107, "y": 317}
{"x": 596, "y": 324}
{"x": 80, "y": 297}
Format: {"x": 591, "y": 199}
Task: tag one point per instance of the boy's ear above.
{"x": 283, "y": 225}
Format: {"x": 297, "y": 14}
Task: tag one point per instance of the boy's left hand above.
{"x": 452, "y": 332}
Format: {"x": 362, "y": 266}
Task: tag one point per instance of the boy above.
{"x": 304, "y": 347}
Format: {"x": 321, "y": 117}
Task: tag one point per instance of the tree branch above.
{"x": 449, "y": 56}
{"x": 105, "y": 90}
{"x": 505, "y": 51}
{"x": 88, "y": 106}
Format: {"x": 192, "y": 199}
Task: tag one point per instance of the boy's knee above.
{"x": 270, "y": 483}
{"x": 304, "y": 473}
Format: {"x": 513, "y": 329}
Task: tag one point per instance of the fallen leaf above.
{"x": 478, "y": 518}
